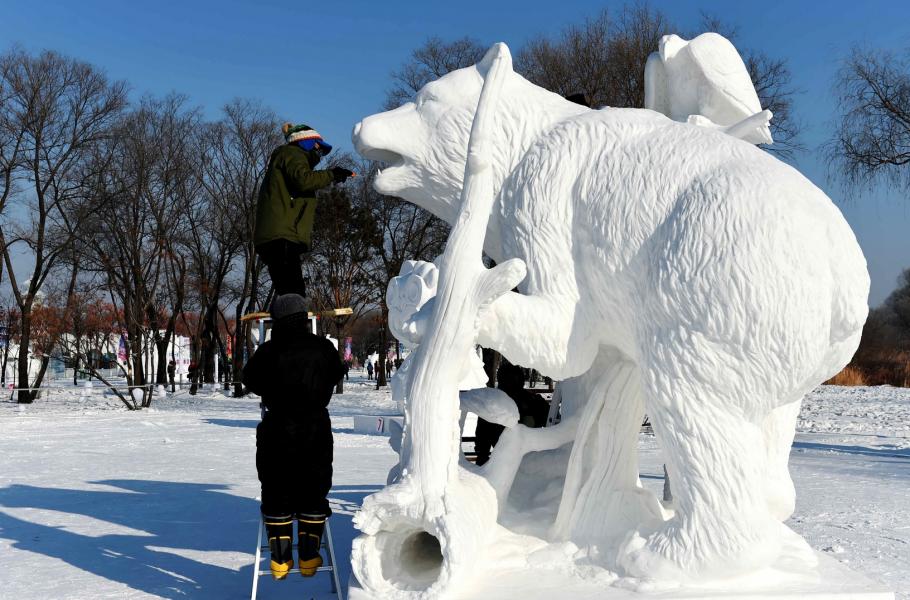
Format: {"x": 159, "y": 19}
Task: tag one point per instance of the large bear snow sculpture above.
{"x": 671, "y": 269}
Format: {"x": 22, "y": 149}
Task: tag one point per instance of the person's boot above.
{"x": 309, "y": 539}
{"x": 280, "y": 532}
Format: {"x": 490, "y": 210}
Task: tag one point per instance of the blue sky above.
{"x": 328, "y": 63}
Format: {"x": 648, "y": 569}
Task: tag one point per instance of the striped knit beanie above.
{"x": 305, "y": 136}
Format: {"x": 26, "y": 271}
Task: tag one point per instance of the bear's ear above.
{"x": 497, "y": 50}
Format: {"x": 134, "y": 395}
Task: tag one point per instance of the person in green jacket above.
{"x": 286, "y": 208}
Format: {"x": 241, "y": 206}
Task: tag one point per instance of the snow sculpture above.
{"x": 662, "y": 266}
{"x": 407, "y": 294}
{"x": 705, "y": 82}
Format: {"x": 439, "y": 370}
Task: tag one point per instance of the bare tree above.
{"x": 9, "y": 324}
{"x": 872, "y": 138}
{"x": 604, "y": 59}
{"x": 12, "y": 138}
{"x": 145, "y": 177}
{"x": 897, "y": 307}
{"x": 63, "y": 108}
{"x": 212, "y": 247}
{"x": 774, "y": 85}
{"x": 406, "y": 232}
{"x": 91, "y": 323}
{"x": 345, "y": 238}
{"x": 236, "y": 153}
{"x": 431, "y": 61}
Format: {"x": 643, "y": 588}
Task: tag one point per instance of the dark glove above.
{"x": 340, "y": 174}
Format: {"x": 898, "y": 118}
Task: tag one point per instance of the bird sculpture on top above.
{"x": 705, "y": 82}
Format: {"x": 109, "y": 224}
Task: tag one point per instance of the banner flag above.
{"x": 121, "y": 349}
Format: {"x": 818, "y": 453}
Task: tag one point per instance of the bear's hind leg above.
{"x": 716, "y": 460}
{"x": 602, "y": 499}
{"x": 779, "y": 428}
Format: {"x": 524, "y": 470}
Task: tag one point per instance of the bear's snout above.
{"x": 390, "y": 136}
{"x": 370, "y": 142}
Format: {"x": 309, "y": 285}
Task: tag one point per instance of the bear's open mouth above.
{"x": 391, "y": 164}
{"x": 387, "y": 157}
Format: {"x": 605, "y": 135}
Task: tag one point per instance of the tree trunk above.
{"x": 135, "y": 343}
{"x": 129, "y": 402}
{"x": 237, "y": 359}
{"x": 5, "y": 360}
{"x": 383, "y": 344}
{"x": 208, "y": 345}
{"x": 25, "y": 339}
{"x": 222, "y": 357}
{"x": 339, "y": 328}
{"x": 161, "y": 345}
{"x": 39, "y": 379}
{"x": 174, "y": 358}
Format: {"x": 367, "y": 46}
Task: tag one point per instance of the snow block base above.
{"x": 829, "y": 580}
{"x": 375, "y": 425}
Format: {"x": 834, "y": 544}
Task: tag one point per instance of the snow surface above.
{"x": 99, "y": 502}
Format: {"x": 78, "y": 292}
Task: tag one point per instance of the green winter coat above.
{"x": 287, "y": 199}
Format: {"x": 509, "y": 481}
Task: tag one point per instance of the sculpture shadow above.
{"x": 168, "y": 527}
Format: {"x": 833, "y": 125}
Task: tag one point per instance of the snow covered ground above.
{"x": 99, "y": 502}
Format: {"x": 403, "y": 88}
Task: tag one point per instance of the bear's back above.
{"x": 617, "y": 195}
{"x": 612, "y": 177}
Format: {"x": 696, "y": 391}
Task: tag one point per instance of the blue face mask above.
{"x": 313, "y": 143}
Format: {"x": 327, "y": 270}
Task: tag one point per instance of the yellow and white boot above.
{"x": 280, "y": 531}
{"x": 309, "y": 539}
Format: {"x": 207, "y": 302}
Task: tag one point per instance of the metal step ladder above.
{"x": 262, "y": 544}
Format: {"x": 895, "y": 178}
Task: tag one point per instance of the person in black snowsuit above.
{"x": 171, "y": 372}
{"x": 193, "y": 374}
{"x": 532, "y": 410}
{"x": 294, "y": 373}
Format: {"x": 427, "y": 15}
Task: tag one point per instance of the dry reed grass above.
{"x": 850, "y": 375}
{"x": 879, "y": 367}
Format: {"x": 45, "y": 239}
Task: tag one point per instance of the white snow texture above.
{"x": 665, "y": 267}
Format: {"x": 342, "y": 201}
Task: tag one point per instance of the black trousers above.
{"x": 282, "y": 259}
{"x": 294, "y": 462}
{"x": 485, "y": 437}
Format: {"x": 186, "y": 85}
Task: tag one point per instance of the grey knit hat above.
{"x": 287, "y": 305}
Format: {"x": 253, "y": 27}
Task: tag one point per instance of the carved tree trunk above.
{"x": 428, "y": 530}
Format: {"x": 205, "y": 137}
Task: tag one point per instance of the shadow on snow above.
{"x": 251, "y": 423}
{"x": 171, "y": 519}
{"x": 884, "y": 451}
